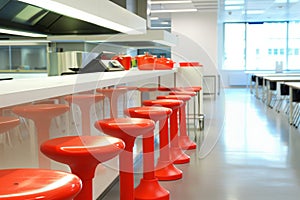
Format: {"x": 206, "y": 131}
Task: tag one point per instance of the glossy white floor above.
{"x": 249, "y": 153}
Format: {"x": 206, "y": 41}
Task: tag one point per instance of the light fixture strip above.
{"x": 21, "y": 33}
{"x": 174, "y": 10}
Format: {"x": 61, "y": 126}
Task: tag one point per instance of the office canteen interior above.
{"x": 214, "y": 116}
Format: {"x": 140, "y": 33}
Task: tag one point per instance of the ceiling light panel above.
{"x": 27, "y": 13}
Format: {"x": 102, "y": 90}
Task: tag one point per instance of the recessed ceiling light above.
{"x": 154, "y": 18}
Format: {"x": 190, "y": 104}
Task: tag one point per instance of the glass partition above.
{"x": 23, "y": 58}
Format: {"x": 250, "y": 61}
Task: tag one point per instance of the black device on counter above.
{"x": 102, "y": 63}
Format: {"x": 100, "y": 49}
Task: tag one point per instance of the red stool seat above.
{"x": 177, "y": 155}
{"x": 126, "y": 129}
{"x": 147, "y": 89}
{"x": 166, "y": 89}
{"x": 149, "y": 112}
{"x": 34, "y": 112}
{"x": 42, "y": 115}
{"x": 192, "y": 88}
{"x": 190, "y": 93}
{"x": 184, "y": 98}
{"x": 21, "y": 184}
{"x": 83, "y": 154}
{"x": 128, "y": 87}
{"x": 85, "y": 102}
{"x": 113, "y": 95}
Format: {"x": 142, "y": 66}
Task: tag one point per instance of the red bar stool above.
{"x": 177, "y": 155}
{"x": 128, "y": 129}
{"x": 166, "y": 89}
{"x": 85, "y": 102}
{"x": 149, "y": 187}
{"x": 83, "y": 154}
{"x": 144, "y": 90}
{"x": 128, "y": 96}
{"x": 164, "y": 170}
{"x": 184, "y": 140}
{"x": 198, "y": 116}
{"x": 20, "y": 184}
{"x": 41, "y": 114}
{"x": 113, "y": 95}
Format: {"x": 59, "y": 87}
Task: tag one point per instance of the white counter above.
{"x": 13, "y": 92}
{"x": 18, "y": 148}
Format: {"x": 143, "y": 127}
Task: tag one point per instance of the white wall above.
{"x": 199, "y": 40}
{"x": 197, "y": 33}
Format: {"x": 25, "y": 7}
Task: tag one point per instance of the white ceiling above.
{"x": 259, "y": 10}
{"x": 234, "y": 10}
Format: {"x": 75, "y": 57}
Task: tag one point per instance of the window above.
{"x": 234, "y": 47}
{"x": 259, "y": 46}
{"x": 294, "y": 43}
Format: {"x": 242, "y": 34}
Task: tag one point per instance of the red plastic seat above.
{"x": 184, "y": 141}
{"x": 83, "y": 154}
{"x": 85, "y": 102}
{"x": 191, "y": 88}
{"x": 177, "y": 155}
{"x": 164, "y": 170}
{"x": 127, "y": 129}
{"x": 147, "y": 89}
{"x": 166, "y": 89}
{"x": 190, "y": 93}
{"x": 113, "y": 95}
{"x": 42, "y": 115}
{"x": 128, "y": 87}
{"x": 23, "y": 184}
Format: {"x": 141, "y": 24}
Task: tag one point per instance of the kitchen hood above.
{"x": 152, "y": 38}
{"x": 90, "y": 17}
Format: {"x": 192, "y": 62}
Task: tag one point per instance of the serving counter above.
{"x": 19, "y": 147}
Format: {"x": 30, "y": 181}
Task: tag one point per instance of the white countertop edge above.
{"x": 14, "y": 92}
